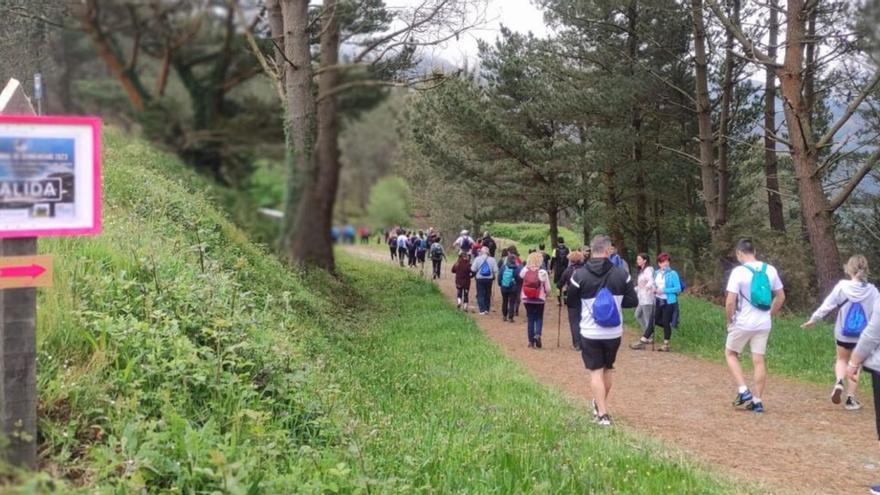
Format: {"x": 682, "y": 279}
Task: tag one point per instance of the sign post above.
{"x": 49, "y": 186}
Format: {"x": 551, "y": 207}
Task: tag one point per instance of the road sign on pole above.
{"x": 49, "y": 186}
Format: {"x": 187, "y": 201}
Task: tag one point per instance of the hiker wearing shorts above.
{"x": 604, "y": 290}
{"x": 754, "y": 295}
{"x": 462, "y": 271}
{"x": 853, "y": 300}
{"x": 867, "y": 355}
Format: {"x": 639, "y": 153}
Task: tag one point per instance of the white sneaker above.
{"x": 852, "y": 404}
{"x": 604, "y": 421}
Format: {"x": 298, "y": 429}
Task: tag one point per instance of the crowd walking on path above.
{"x": 594, "y": 285}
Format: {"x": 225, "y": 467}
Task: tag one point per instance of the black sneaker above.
{"x": 604, "y": 421}
{"x": 538, "y": 342}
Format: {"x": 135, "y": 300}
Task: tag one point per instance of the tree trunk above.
{"x": 642, "y": 229}
{"x": 704, "y": 119}
{"x": 771, "y": 162}
{"x": 300, "y": 119}
{"x": 658, "y": 236}
{"x": 724, "y": 125}
{"x": 312, "y": 244}
{"x": 615, "y": 230}
{"x": 553, "y": 218}
{"x": 814, "y": 204}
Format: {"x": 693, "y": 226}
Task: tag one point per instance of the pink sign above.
{"x": 50, "y": 176}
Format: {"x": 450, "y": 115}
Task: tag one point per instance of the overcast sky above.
{"x": 518, "y": 15}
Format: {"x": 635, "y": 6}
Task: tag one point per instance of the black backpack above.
{"x": 562, "y": 257}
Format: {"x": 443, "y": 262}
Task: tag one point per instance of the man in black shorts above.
{"x": 602, "y": 319}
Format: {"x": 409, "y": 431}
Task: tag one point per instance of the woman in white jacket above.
{"x": 846, "y": 293}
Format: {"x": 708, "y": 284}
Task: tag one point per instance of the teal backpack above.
{"x": 762, "y": 294}
{"x": 508, "y": 278}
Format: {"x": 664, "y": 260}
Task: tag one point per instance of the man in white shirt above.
{"x": 748, "y": 324}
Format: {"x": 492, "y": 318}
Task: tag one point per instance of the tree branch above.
{"x": 747, "y": 44}
{"x": 679, "y": 153}
{"x": 850, "y": 110}
{"x": 261, "y": 58}
{"x": 854, "y": 181}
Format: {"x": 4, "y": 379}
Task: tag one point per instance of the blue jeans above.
{"x": 484, "y": 291}
{"x": 535, "y": 315}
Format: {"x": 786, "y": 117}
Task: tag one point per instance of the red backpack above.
{"x": 532, "y": 284}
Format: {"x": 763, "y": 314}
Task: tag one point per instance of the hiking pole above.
{"x": 558, "y": 326}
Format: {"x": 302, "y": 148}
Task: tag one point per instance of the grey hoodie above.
{"x": 478, "y": 262}
{"x": 843, "y": 295}
{"x": 868, "y": 348}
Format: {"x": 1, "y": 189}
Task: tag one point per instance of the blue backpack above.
{"x": 855, "y": 321}
{"x": 485, "y": 269}
{"x": 508, "y": 277}
{"x": 605, "y": 312}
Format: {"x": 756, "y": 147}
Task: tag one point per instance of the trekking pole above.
{"x": 558, "y": 326}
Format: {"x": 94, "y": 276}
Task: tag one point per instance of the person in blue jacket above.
{"x": 667, "y": 285}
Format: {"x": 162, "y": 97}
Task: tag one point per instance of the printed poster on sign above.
{"x": 49, "y": 176}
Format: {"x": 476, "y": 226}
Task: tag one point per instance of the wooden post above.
{"x": 18, "y": 335}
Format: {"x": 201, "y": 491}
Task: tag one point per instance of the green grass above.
{"x": 529, "y": 235}
{"x": 803, "y": 354}
{"x": 177, "y": 357}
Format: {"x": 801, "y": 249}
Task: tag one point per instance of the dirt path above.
{"x": 802, "y": 444}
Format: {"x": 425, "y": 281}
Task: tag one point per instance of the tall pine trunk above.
{"x": 642, "y": 229}
{"x": 771, "y": 162}
{"x": 704, "y": 120}
{"x": 814, "y": 204}
{"x": 311, "y": 242}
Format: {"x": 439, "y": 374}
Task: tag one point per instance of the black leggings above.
{"x": 463, "y": 294}
{"x": 662, "y": 317}
{"x": 436, "y": 264}
{"x": 574, "y": 324}
{"x": 508, "y": 303}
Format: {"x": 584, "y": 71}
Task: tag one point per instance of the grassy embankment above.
{"x": 803, "y": 354}
{"x": 528, "y": 235}
{"x": 177, "y": 357}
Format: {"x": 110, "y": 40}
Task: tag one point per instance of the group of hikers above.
{"x": 350, "y": 234}
{"x": 595, "y": 284}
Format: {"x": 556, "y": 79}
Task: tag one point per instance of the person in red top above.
{"x": 463, "y": 274}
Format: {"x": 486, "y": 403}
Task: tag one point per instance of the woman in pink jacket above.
{"x": 535, "y": 287}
